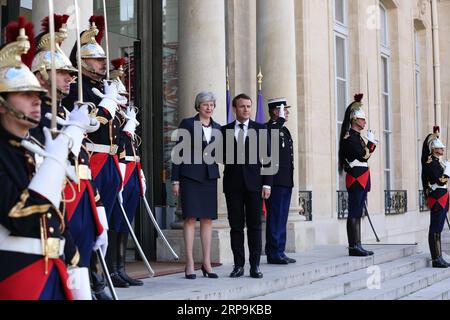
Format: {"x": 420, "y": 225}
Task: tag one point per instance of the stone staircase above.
{"x": 394, "y": 272}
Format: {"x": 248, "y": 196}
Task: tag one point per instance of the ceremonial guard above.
{"x": 435, "y": 176}
{"x": 280, "y": 200}
{"x": 354, "y": 154}
{"x": 133, "y": 188}
{"x": 103, "y": 143}
{"x": 36, "y": 246}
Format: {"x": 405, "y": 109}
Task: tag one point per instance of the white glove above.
{"x": 371, "y": 137}
{"x": 123, "y": 170}
{"x": 447, "y": 168}
{"x": 79, "y": 283}
{"x": 144, "y": 182}
{"x": 132, "y": 123}
{"x": 102, "y": 241}
{"x": 111, "y": 98}
{"x": 48, "y": 180}
{"x": 282, "y": 113}
{"x": 78, "y": 118}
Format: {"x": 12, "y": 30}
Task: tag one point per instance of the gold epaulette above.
{"x": 102, "y": 120}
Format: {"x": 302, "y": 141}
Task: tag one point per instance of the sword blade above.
{"x": 136, "y": 242}
{"x": 158, "y": 229}
{"x": 107, "y": 275}
{"x": 80, "y": 72}
{"x": 51, "y": 17}
{"x": 106, "y": 39}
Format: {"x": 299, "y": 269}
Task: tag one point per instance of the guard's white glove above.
{"x": 111, "y": 98}
{"x": 371, "y": 137}
{"x": 144, "y": 182}
{"x": 48, "y": 180}
{"x": 447, "y": 168}
{"x": 282, "y": 113}
{"x": 77, "y": 118}
{"x": 79, "y": 283}
{"x": 102, "y": 241}
{"x": 132, "y": 123}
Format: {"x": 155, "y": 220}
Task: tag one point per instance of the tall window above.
{"x": 418, "y": 89}
{"x": 386, "y": 94}
{"x": 341, "y": 65}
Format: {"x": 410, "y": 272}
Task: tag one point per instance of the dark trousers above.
{"x": 244, "y": 208}
{"x": 437, "y": 220}
{"x": 277, "y": 216}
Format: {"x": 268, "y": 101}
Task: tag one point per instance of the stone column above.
{"x": 202, "y": 67}
{"x": 40, "y": 10}
{"x": 277, "y": 57}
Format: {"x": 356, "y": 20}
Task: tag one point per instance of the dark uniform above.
{"x": 354, "y": 154}
{"x": 358, "y": 176}
{"x": 27, "y": 215}
{"x": 279, "y": 202}
{"x": 435, "y": 177}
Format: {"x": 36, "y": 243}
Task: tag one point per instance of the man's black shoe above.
{"x": 277, "y": 261}
{"x": 289, "y": 260}
{"x": 237, "y": 272}
{"x": 256, "y": 273}
{"x": 118, "y": 282}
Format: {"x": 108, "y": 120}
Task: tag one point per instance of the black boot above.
{"x": 97, "y": 279}
{"x": 111, "y": 258}
{"x": 358, "y": 241}
{"x": 121, "y": 257}
{"x": 353, "y": 238}
{"x": 434, "y": 241}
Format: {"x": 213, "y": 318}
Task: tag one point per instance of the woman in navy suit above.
{"x": 196, "y": 183}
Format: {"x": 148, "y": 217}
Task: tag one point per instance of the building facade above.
{"x": 317, "y": 54}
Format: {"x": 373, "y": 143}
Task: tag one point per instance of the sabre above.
{"x": 368, "y": 95}
{"x": 107, "y": 274}
{"x": 161, "y": 234}
{"x": 136, "y": 242}
{"x": 80, "y": 71}
{"x": 370, "y": 221}
{"x": 106, "y": 39}
{"x": 51, "y": 17}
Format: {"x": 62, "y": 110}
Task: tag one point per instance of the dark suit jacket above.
{"x": 285, "y": 175}
{"x": 197, "y": 172}
{"x": 239, "y": 177}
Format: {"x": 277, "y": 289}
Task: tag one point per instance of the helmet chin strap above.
{"x": 17, "y": 114}
{"x": 90, "y": 69}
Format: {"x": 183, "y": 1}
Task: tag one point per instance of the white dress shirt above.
{"x": 207, "y": 131}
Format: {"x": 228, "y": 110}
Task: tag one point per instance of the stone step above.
{"x": 438, "y": 291}
{"x": 347, "y": 283}
{"x": 319, "y": 264}
{"x": 401, "y": 287}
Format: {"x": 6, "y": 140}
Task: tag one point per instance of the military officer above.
{"x": 85, "y": 212}
{"x": 103, "y": 144}
{"x": 279, "y": 202}
{"x": 35, "y": 244}
{"x": 435, "y": 176}
{"x": 354, "y": 154}
{"x": 130, "y": 165}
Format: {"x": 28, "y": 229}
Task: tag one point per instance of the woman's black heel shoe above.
{"x": 190, "y": 276}
{"x": 209, "y": 275}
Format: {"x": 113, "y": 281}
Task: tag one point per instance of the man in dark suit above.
{"x": 283, "y": 182}
{"x": 245, "y": 185}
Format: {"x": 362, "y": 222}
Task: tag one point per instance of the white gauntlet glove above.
{"x": 111, "y": 97}
{"x": 48, "y": 180}
{"x": 144, "y": 182}
{"x": 447, "y": 168}
{"x": 132, "y": 123}
{"x": 102, "y": 241}
{"x": 371, "y": 137}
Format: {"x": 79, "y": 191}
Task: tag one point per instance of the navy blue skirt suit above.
{"x": 198, "y": 182}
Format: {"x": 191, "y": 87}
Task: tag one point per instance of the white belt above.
{"x": 436, "y": 186}
{"x": 357, "y": 163}
{"x": 100, "y": 148}
{"x": 132, "y": 159}
{"x": 33, "y": 246}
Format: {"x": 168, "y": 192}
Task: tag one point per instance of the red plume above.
{"x": 117, "y": 63}
{"x": 59, "y": 21}
{"x": 12, "y": 33}
{"x": 359, "y": 97}
{"x": 100, "y": 23}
